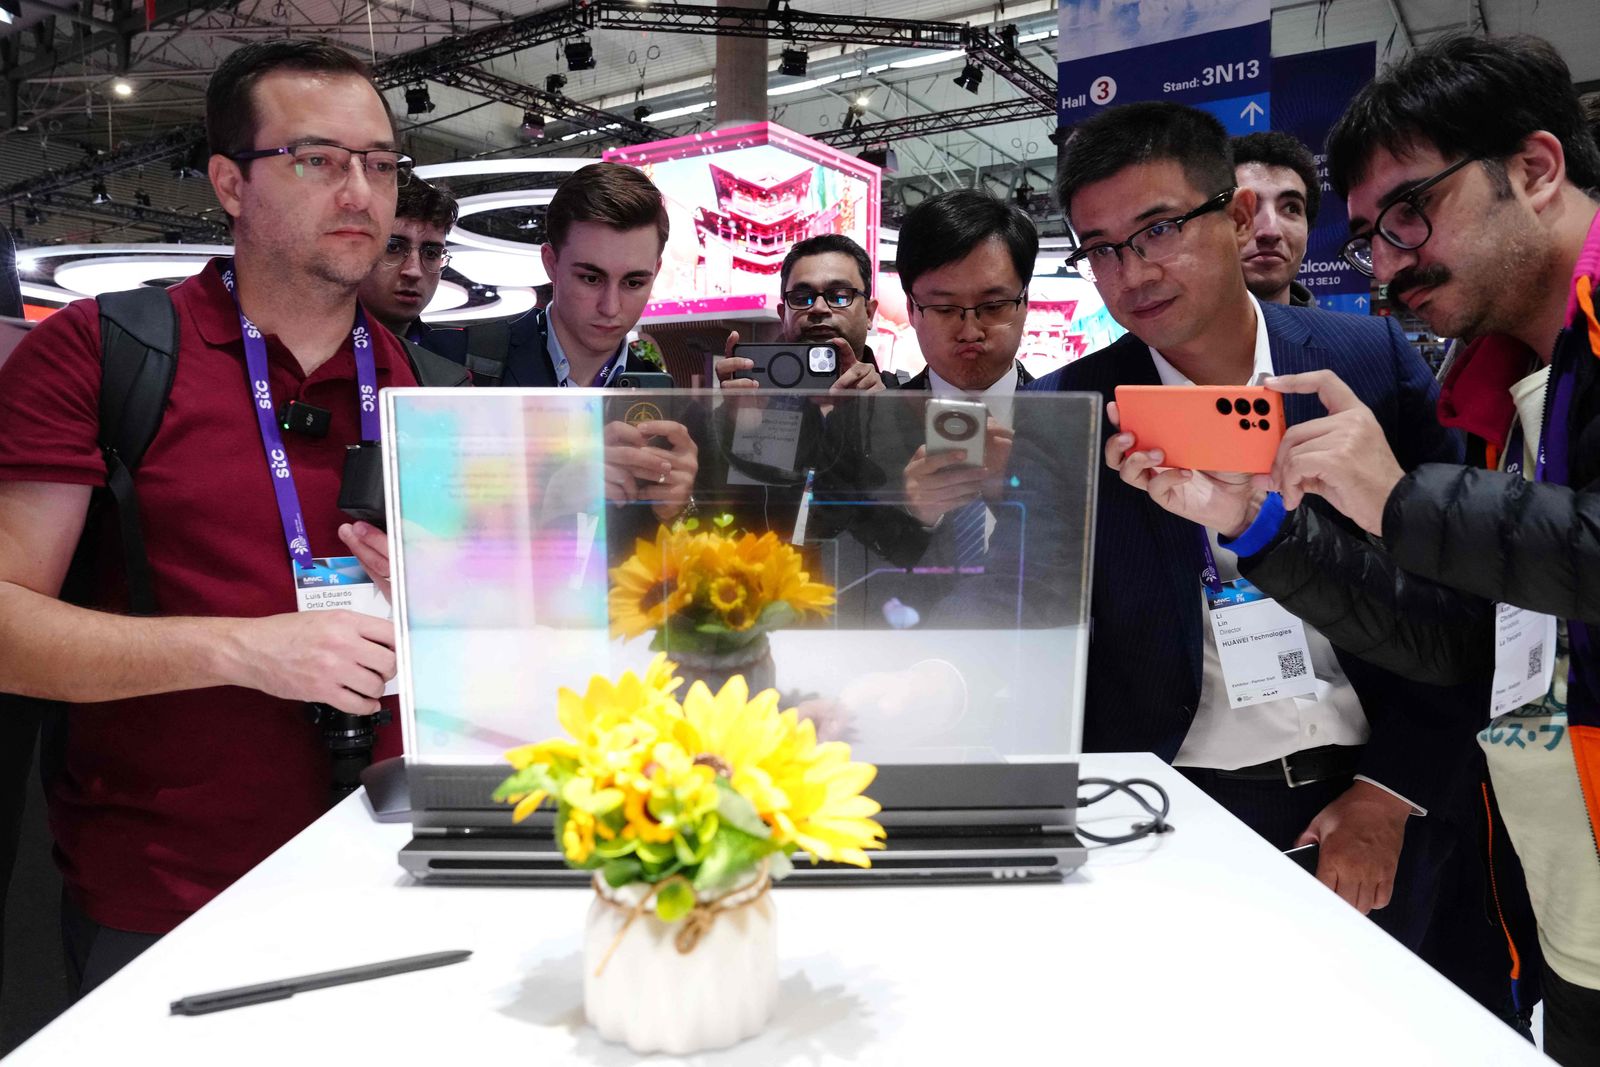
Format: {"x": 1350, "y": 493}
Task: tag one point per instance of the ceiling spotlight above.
{"x": 98, "y": 194}
{"x": 122, "y": 87}
{"x": 532, "y": 124}
{"x": 141, "y": 198}
{"x": 528, "y": 224}
{"x": 417, "y": 100}
{"x": 852, "y": 115}
{"x": 34, "y": 216}
{"x": 182, "y": 171}
{"x": 1023, "y": 193}
{"x": 580, "y": 54}
{"x": 641, "y": 113}
{"x": 1058, "y": 136}
{"x": 554, "y": 83}
{"x": 971, "y": 77}
{"x": 794, "y": 62}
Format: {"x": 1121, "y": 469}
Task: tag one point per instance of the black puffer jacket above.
{"x": 1456, "y": 540}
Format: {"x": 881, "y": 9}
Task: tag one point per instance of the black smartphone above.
{"x": 643, "y": 379}
{"x": 790, "y": 366}
{"x": 1306, "y": 856}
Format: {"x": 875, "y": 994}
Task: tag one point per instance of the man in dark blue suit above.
{"x": 605, "y": 230}
{"x": 1366, "y": 764}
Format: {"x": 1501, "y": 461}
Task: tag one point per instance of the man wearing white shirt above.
{"x": 964, "y": 260}
{"x": 1368, "y": 765}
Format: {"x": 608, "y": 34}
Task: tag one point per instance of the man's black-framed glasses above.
{"x": 329, "y": 164}
{"x": 988, "y": 313}
{"x": 837, "y": 297}
{"x": 398, "y": 250}
{"x": 1402, "y": 222}
{"x": 1160, "y": 240}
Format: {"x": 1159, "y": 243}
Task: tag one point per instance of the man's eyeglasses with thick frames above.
{"x": 329, "y": 164}
{"x": 838, "y": 298}
{"x": 988, "y": 313}
{"x": 433, "y": 256}
{"x": 1160, "y": 240}
{"x": 1402, "y": 223}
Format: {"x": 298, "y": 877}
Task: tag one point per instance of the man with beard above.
{"x": 189, "y": 758}
{"x": 1471, "y": 179}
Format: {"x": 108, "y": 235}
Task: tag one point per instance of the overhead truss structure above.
{"x": 454, "y": 61}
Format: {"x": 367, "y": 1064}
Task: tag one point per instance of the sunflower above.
{"x": 646, "y": 590}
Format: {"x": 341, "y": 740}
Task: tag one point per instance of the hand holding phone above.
{"x": 957, "y": 426}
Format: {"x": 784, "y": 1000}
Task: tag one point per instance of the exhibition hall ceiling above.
{"x": 76, "y": 101}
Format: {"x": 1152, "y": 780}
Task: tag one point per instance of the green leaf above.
{"x": 776, "y": 615}
{"x": 723, "y": 521}
{"x": 616, "y": 848}
{"x": 527, "y": 780}
{"x": 733, "y": 852}
{"x": 620, "y": 872}
{"x": 653, "y": 852}
{"x": 684, "y": 852}
{"x": 735, "y": 810}
{"x": 674, "y": 901}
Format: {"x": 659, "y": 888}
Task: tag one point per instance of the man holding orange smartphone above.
{"x": 1301, "y": 741}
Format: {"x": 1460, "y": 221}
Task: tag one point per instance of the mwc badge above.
{"x": 1524, "y": 657}
{"x": 339, "y": 582}
{"x": 1262, "y": 648}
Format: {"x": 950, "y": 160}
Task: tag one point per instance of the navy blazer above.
{"x": 1147, "y": 645}
{"x": 528, "y": 362}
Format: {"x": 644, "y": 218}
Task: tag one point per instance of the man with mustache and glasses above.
{"x": 1358, "y": 760}
{"x": 1472, "y": 179}
{"x": 402, "y": 285}
{"x": 188, "y": 756}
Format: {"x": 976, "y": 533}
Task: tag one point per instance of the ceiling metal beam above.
{"x": 961, "y": 118}
{"x": 550, "y": 105}
{"x": 783, "y": 24}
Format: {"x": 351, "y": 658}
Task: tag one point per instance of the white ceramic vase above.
{"x": 654, "y": 998}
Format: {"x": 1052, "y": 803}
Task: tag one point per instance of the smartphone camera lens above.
{"x": 1224, "y": 407}
{"x": 823, "y": 359}
{"x": 1264, "y": 424}
{"x": 1244, "y": 424}
{"x": 1263, "y": 408}
{"x": 1242, "y": 406}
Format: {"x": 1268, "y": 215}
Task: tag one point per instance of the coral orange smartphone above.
{"x": 1205, "y": 427}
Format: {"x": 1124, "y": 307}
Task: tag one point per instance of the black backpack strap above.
{"x": 139, "y": 360}
{"x": 488, "y": 352}
{"x": 430, "y": 368}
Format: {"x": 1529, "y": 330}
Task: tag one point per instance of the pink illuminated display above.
{"x": 738, "y": 200}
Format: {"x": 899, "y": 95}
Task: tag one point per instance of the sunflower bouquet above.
{"x": 710, "y": 591}
{"x": 691, "y": 796}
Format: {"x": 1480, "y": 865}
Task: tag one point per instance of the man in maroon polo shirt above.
{"x": 189, "y": 757}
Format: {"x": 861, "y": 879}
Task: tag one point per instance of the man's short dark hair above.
{"x": 231, "y": 119}
{"x": 427, "y": 203}
{"x": 821, "y": 245}
{"x": 1275, "y": 148}
{"x": 1146, "y": 132}
{"x": 1476, "y": 97}
{"x": 612, "y": 194}
{"x": 948, "y": 226}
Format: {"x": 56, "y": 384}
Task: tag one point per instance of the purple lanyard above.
{"x": 255, "y": 361}
{"x": 1209, "y": 575}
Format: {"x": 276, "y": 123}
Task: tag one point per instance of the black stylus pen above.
{"x": 285, "y": 988}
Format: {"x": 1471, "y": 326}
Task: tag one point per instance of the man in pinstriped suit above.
{"x": 1370, "y": 766}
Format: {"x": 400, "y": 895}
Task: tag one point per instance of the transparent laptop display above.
{"x": 926, "y": 607}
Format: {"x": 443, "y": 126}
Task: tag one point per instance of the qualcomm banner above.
{"x": 1211, "y": 54}
{"x": 1309, "y": 93}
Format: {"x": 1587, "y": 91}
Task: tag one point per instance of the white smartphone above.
{"x": 957, "y": 426}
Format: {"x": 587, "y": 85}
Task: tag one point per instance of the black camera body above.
{"x": 361, "y": 493}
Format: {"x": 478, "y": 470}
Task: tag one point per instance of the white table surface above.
{"x": 1204, "y": 946}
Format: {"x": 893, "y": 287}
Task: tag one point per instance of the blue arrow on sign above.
{"x": 1361, "y": 301}
{"x": 1251, "y": 112}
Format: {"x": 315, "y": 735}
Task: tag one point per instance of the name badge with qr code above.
{"x": 336, "y": 582}
{"x": 1262, "y": 648}
{"x": 1524, "y": 657}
